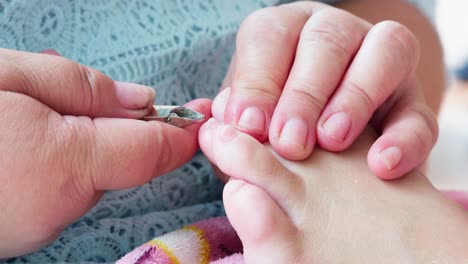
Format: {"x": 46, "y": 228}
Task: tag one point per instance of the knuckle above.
{"x": 362, "y": 95}
{"x": 258, "y": 85}
{"x": 423, "y": 130}
{"x": 165, "y": 155}
{"x": 338, "y": 36}
{"x": 87, "y": 85}
{"x": 401, "y": 36}
{"x": 307, "y": 94}
{"x": 264, "y": 26}
{"x": 14, "y": 78}
{"x": 429, "y": 121}
{"x": 76, "y": 138}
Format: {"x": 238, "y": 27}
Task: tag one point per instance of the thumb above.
{"x": 71, "y": 88}
{"x": 125, "y": 153}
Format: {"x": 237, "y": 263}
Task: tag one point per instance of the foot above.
{"x": 330, "y": 208}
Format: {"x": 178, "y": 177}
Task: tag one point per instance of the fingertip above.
{"x": 205, "y": 138}
{"x": 334, "y": 132}
{"x": 202, "y": 105}
{"x": 292, "y": 151}
{"x": 219, "y": 104}
{"x": 253, "y": 121}
{"x": 292, "y": 139}
{"x": 385, "y": 161}
{"x": 250, "y": 117}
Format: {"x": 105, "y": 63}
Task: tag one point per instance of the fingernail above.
{"x": 134, "y": 96}
{"x": 337, "y": 126}
{"x": 294, "y": 132}
{"x": 219, "y": 104}
{"x": 252, "y": 120}
{"x": 391, "y": 157}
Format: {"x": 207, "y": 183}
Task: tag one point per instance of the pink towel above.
{"x": 210, "y": 241}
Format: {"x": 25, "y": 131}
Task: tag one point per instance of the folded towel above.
{"x": 210, "y": 241}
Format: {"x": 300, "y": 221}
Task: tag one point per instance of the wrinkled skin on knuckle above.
{"x": 404, "y": 40}
{"x": 336, "y": 33}
{"x": 76, "y": 140}
{"x": 163, "y": 159}
{"x": 13, "y": 78}
{"x": 259, "y": 85}
{"x": 308, "y": 93}
{"x": 365, "y": 98}
{"x": 90, "y": 83}
{"x": 87, "y": 84}
{"x": 429, "y": 121}
{"x": 264, "y": 26}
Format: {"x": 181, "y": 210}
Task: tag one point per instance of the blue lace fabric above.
{"x": 181, "y": 48}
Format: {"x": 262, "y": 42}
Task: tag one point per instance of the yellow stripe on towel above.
{"x": 159, "y": 244}
{"x": 185, "y": 246}
{"x": 205, "y": 250}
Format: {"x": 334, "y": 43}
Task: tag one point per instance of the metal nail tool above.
{"x": 178, "y": 116}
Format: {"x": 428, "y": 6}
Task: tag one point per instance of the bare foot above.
{"x": 330, "y": 208}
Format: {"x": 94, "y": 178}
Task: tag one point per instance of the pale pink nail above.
{"x": 294, "y": 132}
{"x": 134, "y": 96}
{"x": 337, "y": 126}
{"x": 252, "y": 120}
{"x": 391, "y": 156}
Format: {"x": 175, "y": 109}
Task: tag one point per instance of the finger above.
{"x": 269, "y": 235}
{"x": 229, "y": 75}
{"x": 242, "y": 157}
{"x": 70, "y": 88}
{"x": 409, "y": 133}
{"x": 205, "y": 138}
{"x": 388, "y": 55}
{"x": 325, "y": 49}
{"x": 123, "y": 153}
{"x": 206, "y": 144}
{"x": 219, "y": 104}
{"x": 265, "y": 50}
{"x": 50, "y": 52}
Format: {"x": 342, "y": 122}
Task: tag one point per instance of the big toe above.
{"x": 267, "y": 233}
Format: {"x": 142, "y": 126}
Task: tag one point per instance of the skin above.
{"x": 329, "y": 208}
{"x": 304, "y": 62}
{"x": 68, "y": 134}
{"x": 431, "y": 59}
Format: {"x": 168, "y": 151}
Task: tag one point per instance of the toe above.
{"x": 266, "y": 232}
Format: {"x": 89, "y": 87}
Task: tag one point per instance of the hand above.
{"x": 67, "y": 134}
{"x": 306, "y": 73}
{"x": 329, "y": 208}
